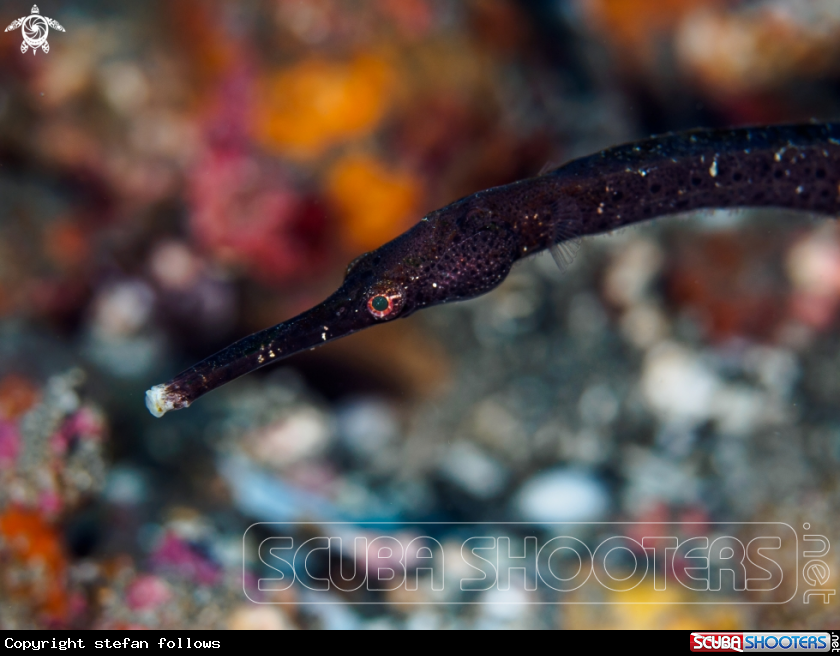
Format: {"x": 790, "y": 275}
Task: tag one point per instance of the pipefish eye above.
{"x": 383, "y": 304}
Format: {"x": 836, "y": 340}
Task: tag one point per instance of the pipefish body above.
{"x": 468, "y": 247}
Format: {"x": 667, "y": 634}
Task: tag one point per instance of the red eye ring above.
{"x": 382, "y": 305}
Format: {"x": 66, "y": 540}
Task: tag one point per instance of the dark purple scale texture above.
{"x": 468, "y": 247}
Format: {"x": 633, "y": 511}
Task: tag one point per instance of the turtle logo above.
{"x": 35, "y": 29}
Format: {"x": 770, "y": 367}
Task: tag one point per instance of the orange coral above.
{"x": 36, "y": 545}
{"x": 375, "y": 203}
{"x": 303, "y": 110}
{"x": 17, "y": 395}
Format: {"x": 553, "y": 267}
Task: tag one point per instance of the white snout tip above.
{"x": 156, "y": 402}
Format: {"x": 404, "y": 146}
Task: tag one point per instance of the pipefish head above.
{"x": 452, "y": 254}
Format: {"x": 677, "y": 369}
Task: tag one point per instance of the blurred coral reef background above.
{"x": 176, "y": 175}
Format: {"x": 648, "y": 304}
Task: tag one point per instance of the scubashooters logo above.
{"x": 594, "y": 562}
{"x": 816, "y": 571}
{"x": 35, "y": 29}
{"x": 798, "y": 642}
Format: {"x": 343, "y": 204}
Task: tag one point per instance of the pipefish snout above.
{"x": 468, "y": 247}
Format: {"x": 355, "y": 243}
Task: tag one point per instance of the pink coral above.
{"x": 9, "y": 442}
{"x": 147, "y": 592}
{"x": 84, "y": 424}
{"x": 248, "y": 218}
{"x": 175, "y": 554}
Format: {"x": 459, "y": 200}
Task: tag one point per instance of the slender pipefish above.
{"x": 468, "y": 247}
